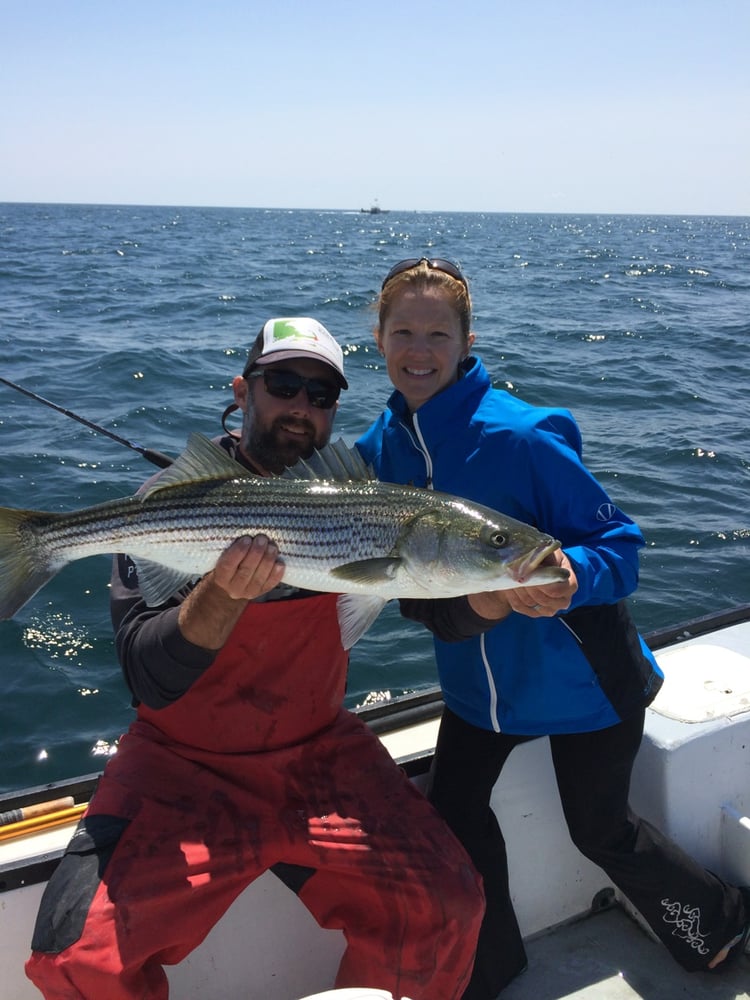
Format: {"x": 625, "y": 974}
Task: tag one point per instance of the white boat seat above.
{"x": 353, "y": 993}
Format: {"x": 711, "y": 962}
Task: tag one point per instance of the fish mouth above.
{"x": 522, "y": 568}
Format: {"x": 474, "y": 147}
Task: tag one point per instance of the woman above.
{"x": 563, "y": 661}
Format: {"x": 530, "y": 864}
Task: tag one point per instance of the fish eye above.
{"x": 498, "y": 540}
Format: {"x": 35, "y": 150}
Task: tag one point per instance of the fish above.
{"x": 338, "y": 529}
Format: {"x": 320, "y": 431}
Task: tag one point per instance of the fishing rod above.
{"x": 155, "y": 457}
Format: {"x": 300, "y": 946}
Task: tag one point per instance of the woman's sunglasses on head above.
{"x": 286, "y": 385}
{"x": 434, "y": 263}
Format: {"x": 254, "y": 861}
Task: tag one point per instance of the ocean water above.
{"x": 137, "y": 318}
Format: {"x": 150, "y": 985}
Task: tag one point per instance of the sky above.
{"x": 574, "y": 106}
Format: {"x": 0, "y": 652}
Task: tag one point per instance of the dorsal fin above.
{"x": 201, "y": 460}
{"x": 337, "y": 462}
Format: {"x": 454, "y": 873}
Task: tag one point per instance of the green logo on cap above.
{"x": 283, "y": 329}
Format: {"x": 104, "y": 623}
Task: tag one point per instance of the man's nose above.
{"x": 301, "y": 402}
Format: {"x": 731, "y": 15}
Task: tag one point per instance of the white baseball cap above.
{"x": 296, "y": 337}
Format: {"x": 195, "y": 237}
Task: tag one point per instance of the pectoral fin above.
{"x": 368, "y": 571}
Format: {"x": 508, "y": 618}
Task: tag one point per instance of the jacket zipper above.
{"x": 575, "y": 635}
{"x": 423, "y": 448}
{"x": 491, "y": 685}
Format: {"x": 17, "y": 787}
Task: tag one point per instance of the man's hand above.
{"x": 248, "y": 568}
{"x": 535, "y": 602}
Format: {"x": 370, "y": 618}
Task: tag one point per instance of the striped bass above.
{"x": 337, "y": 528}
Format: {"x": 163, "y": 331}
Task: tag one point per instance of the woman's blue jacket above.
{"x": 583, "y": 670}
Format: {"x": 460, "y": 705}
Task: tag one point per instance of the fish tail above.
{"x": 24, "y": 568}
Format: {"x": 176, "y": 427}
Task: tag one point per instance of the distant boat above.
{"x": 374, "y": 209}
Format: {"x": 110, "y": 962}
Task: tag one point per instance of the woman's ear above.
{"x": 378, "y": 344}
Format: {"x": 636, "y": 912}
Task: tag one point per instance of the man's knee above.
{"x": 71, "y": 889}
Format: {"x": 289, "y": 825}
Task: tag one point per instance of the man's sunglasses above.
{"x": 286, "y": 385}
{"x": 434, "y": 263}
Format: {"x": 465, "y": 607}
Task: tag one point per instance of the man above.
{"x": 242, "y": 758}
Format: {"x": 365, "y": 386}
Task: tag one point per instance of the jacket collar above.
{"x": 457, "y": 400}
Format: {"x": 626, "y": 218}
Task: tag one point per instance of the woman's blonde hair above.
{"x": 424, "y": 275}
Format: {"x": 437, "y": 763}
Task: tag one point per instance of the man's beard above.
{"x": 273, "y": 450}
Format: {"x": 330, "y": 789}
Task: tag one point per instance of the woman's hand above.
{"x": 534, "y": 602}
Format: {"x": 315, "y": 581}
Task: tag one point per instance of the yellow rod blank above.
{"x": 38, "y": 823}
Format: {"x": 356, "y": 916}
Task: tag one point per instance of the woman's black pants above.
{"x": 692, "y": 911}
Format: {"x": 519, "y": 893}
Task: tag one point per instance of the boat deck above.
{"x": 691, "y": 779}
{"x": 607, "y": 956}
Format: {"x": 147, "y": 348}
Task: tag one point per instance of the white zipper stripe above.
{"x": 572, "y": 631}
{"x": 424, "y": 450}
{"x": 490, "y": 684}
{"x": 488, "y": 671}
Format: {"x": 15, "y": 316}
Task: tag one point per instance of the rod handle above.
{"x": 37, "y": 809}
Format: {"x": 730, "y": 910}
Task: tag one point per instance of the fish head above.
{"x": 462, "y": 547}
